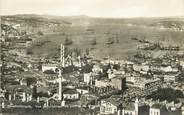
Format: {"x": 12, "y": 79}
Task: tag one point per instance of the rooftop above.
{"x": 70, "y": 91}
{"x": 156, "y": 106}
{"x": 114, "y": 99}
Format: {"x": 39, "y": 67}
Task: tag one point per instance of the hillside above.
{"x": 34, "y": 23}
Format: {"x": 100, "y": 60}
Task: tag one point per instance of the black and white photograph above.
{"x": 91, "y": 57}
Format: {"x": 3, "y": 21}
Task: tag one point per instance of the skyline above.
{"x": 95, "y": 8}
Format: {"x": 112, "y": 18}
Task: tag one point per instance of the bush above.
{"x": 168, "y": 94}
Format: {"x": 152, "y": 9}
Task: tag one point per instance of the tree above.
{"x": 168, "y": 94}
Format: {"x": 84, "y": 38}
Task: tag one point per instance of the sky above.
{"x": 94, "y": 8}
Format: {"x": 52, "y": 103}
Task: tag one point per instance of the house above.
{"x": 110, "y": 105}
{"x": 147, "y": 86}
{"x": 54, "y": 102}
{"x": 87, "y": 78}
{"x": 3, "y": 103}
{"x": 82, "y": 90}
{"x": 182, "y": 110}
{"x": 115, "y": 105}
{"x": 89, "y": 99}
{"x": 46, "y": 67}
{"x": 141, "y": 67}
{"x": 102, "y": 83}
{"x": 113, "y": 73}
{"x": 118, "y": 82}
{"x": 97, "y": 69}
{"x": 168, "y": 69}
{"x": 171, "y": 77}
{"x": 23, "y": 82}
{"x": 70, "y": 94}
{"x": 155, "y": 110}
{"x": 21, "y": 93}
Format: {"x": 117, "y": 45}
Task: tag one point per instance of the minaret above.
{"x": 62, "y": 55}
{"x": 136, "y": 106}
{"x": 60, "y": 85}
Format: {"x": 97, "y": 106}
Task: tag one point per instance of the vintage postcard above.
{"x": 92, "y": 57}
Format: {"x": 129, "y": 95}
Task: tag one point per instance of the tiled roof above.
{"x": 70, "y": 91}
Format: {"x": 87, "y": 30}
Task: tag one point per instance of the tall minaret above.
{"x": 136, "y": 106}
{"x": 60, "y": 85}
{"x": 62, "y": 55}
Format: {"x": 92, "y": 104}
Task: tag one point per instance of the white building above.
{"x": 146, "y": 86}
{"x": 110, "y": 105}
{"x": 97, "y": 69}
{"x": 87, "y": 78}
{"x": 102, "y": 83}
{"x": 182, "y": 110}
{"x": 46, "y": 67}
{"x": 82, "y": 91}
{"x": 171, "y": 77}
{"x": 155, "y": 109}
{"x": 113, "y": 105}
{"x": 70, "y": 94}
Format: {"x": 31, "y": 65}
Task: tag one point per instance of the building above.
{"x": 118, "y": 83}
{"x": 155, "y": 110}
{"x": 146, "y": 86}
{"x": 0, "y": 74}
{"x": 182, "y": 110}
{"x": 115, "y": 105}
{"x": 21, "y": 93}
{"x": 70, "y": 94}
{"x": 114, "y": 73}
{"x": 102, "y": 83}
{"x": 87, "y": 78}
{"x": 23, "y": 82}
{"x": 97, "y": 69}
{"x": 131, "y": 108}
{"x": 110, "y": 105}
{"x": 46, "y": 67}
{"x": 171, "y": 77}
{"x": 54, "y": 102}
{"x": 83, "y": 90}
{"x": 141, "y": 67}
